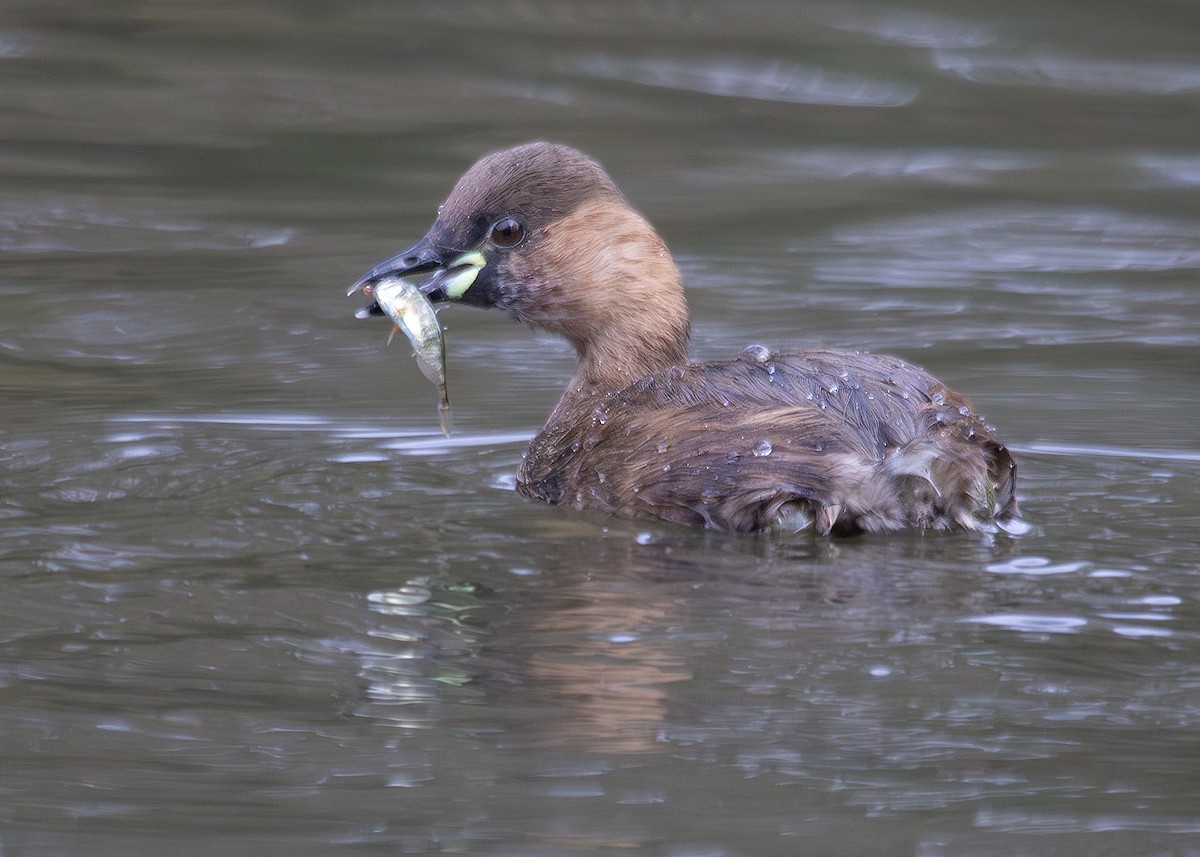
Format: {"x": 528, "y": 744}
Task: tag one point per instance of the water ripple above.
{"x": 1029, "y": 239}
{"x": 80, "y": 224}
{"x": 1081, "y": 74}
{"x": 1098, "y": 451}
{"x": 1035, "y": 565}
{"x": 943, "y": 166}
{"x": 14, "y": 44}
{"x": 910, "y": 29}
{"x": 1171, "y": 170}
{"x": 759, "y": 80}
{"x": 1032, "y": 623}
{"x": 1039, "y": 822}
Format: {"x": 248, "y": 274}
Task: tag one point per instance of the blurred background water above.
{"x": 254, "y": 603}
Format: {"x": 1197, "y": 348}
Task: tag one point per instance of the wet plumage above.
{"x": 844, "y": 442}
{"x": 840, "y": 441}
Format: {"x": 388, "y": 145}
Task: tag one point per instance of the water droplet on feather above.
{"x": 755, "y": 354}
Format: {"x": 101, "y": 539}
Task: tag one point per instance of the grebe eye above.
{"x": 507, "y": 232}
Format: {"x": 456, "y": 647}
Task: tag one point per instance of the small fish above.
{"x": 414, "y": 314}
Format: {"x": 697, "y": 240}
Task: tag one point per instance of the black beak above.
{"x": 450, "y": 274}
{"x": 421, "y": 258}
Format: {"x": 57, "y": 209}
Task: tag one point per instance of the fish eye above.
{"x": 507, "y": 232}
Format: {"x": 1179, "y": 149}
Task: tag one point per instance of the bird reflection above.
{"x": 585, "y": 662}
{"x": 590, "y": 647}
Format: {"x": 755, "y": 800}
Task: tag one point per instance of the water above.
{"x": 255, "y": 603}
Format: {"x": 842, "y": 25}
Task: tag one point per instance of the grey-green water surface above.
{"x": 254, "y": 603}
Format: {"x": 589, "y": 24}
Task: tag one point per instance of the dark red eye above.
{"x": 507, "y": 232}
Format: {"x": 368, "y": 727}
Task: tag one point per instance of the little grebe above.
{"x": 843, "y": 441}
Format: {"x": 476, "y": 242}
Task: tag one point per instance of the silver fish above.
{"x": 414, "y": 314}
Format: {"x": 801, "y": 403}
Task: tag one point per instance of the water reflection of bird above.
{"x": 843, "y": 441}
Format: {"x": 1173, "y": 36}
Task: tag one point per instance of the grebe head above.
{"x": 541, "y": 232}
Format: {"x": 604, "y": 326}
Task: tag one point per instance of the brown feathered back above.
{"x": 846, "y": 441}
